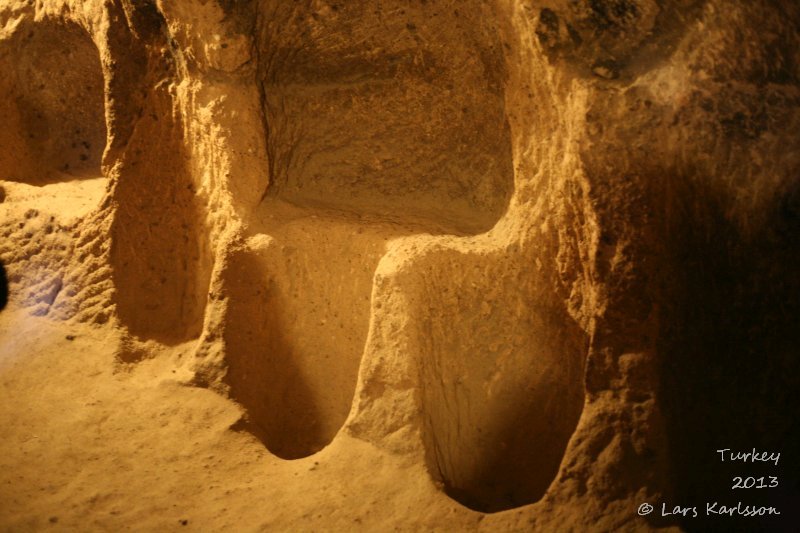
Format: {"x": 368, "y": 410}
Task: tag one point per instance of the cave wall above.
{"x": 567, "y": 229}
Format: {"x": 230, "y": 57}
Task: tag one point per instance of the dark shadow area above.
{"x": 517, "y": 452}
{"x": 731, "y": 364}
{"x": 613, "y": 39}
{"x": 3, "y": 287}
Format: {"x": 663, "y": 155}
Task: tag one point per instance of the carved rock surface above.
{"x": 415, "y": 265}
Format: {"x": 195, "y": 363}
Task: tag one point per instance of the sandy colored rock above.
{"x": 436, "y": 265}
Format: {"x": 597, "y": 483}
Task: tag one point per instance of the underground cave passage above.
{"x": 369, "y": 140}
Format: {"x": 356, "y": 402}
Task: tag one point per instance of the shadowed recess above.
{"x": 733, "y": 366}
{"x": 296, "y": 324}
{"x": 159, "y": 250}
{"x": 408, "y": 121}
{"x": 502, "y": 383}
{"x": 3, "y": 287}
{"x": 370, "y": 135}
{"x": 53, "y": 105}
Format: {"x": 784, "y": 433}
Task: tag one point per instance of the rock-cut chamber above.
{"x": 381, "y": 122}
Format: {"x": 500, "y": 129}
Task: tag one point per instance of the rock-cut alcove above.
{"x": 160, "y": 246}
{"x": 371, "y": 135}
{"x": 54, "y": 126}
{"x": 414, "y": 265}
{"x": 501, "y": 376}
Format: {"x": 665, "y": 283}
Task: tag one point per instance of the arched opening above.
{"x": 54, "y": 114}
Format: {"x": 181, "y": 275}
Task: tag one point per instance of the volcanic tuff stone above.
{"x": 518, "y": 254}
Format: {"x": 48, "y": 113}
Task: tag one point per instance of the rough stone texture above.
{"x": 449, "y": 265}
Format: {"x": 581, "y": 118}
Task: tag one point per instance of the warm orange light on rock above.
{"x": 429, "y": 265}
